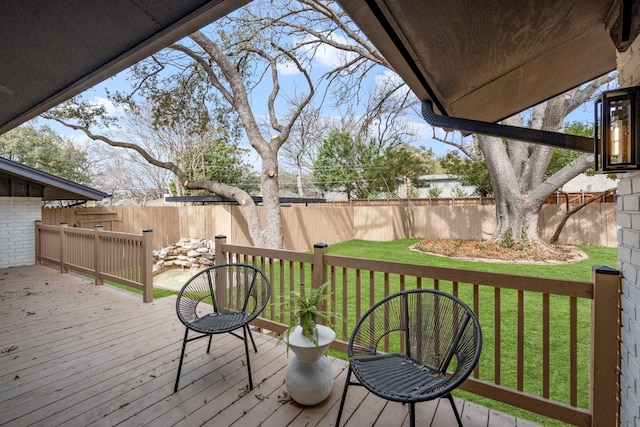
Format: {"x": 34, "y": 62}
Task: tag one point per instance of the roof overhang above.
{"x": 25, "y": 181}
{"x": 51, "y": 51}
{"x": 487, "y": 60}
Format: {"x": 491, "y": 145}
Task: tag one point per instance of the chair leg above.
{"x": 255, "y": 349}
{"x": 209, "y": 346}
{"x": 184, "y": 345}
{"x": 455, "y": 410}
{"x": 412, "y": 414}
{"x": 344, "y": 396}
{"x": 245, "y": 329}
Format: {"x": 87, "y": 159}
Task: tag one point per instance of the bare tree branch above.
{"x": 569, "y": 213}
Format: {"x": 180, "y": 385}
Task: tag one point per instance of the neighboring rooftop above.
{"x": 18, "y": 180}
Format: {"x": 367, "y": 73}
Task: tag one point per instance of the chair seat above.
{"x": 218, "y": 323}
{"x": 397, "y": 377}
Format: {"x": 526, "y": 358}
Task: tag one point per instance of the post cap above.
{"x": 604, "y": 269}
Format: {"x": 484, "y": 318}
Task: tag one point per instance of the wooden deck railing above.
{"x": 534, "y": 329}
{"x": 120, "y": 257}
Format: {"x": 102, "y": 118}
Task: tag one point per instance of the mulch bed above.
{"x": 516, "y": 252}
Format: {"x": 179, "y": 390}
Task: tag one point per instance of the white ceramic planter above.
{"x": 309, "y": 375}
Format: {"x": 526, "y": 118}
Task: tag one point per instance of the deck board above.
{"x": 78, "y": 354}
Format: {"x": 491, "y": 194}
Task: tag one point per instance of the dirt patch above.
{"x": 477, "y": 250}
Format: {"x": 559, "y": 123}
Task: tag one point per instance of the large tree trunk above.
{"x": 517, "y": 173}
{"x": 273, "y": 236}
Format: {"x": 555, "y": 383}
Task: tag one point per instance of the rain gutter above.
{"x": 553, "y": 139}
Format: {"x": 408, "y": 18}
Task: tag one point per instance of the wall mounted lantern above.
{"x": 617, "y": 133}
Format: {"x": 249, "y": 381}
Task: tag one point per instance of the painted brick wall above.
{"x": 17, "y": 230}
{"x": 629, "y": 264}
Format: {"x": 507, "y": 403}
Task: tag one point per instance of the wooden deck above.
{"x": 75, "y": 354}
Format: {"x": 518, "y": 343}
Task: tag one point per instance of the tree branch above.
{"x": 239, "y": 195}
{"x": 569, "y": 213}
{"x": 238, "y": 90}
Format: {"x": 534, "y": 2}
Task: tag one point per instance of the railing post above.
{"x": 99, "y": 255}
{"x": 63, "y": 247}
{"x": 318, "y": 270}
{"x": 146, "y": 275}
{"x": 605, "y": 347}
{"x": 220, "y": 258}
{"x": 38, "y": 250}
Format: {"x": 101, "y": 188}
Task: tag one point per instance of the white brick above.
{"x": 631, "y": 203}
{"x": 635, "y": 222}
{"x": 630, "y": 238}
{"x": 635, "y": 182}
{"x": 625, "y": 219}
{"x": 624, "y": 185}
{"x": 624, "y": 254}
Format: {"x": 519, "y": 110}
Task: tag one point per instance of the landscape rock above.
{"x": 186, "y": 253}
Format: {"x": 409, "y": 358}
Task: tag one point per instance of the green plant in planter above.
{"x": 304, "y": 312}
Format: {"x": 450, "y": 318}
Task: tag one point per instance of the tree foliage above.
{"x": 45, "y": 150}
{"x": 469, "y": 171}
{"x": 340, "y": 164}
{"x": 562, "y": 157}
{"x": 364, "y": 170}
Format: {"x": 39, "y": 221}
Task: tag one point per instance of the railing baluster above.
{"x": 520, "y": 352}
{"x": 372, "y": 288}
{"x": 386, "y": 292}
{"x": 497, "y": 342}
{"x": 345, "y": 303}
{"x": 573, "y": 350}
{"x": 476, "y": 310}
{"x": 281, "y": 266}
{"x": 334, "y": 296}
{"x": 545, "y": 345}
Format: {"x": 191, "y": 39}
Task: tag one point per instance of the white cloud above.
{"x": 388, "y": 77}
{"x": 287, "y": 69}
{"x": 329, "y": 56}
{"x": 111, "y": 109}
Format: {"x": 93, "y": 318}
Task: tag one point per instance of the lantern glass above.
{"x": 619, "y": 132}
{"x": 616, "y": 131}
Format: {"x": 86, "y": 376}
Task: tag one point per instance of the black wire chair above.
{"x": 222, "y": 299}
{"x": 439, "y": 342}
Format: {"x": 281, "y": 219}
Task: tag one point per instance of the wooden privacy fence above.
{"x": 595, "y": 225}
{"x": 120, "y": 257}
{"x": 534, "y": 329}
